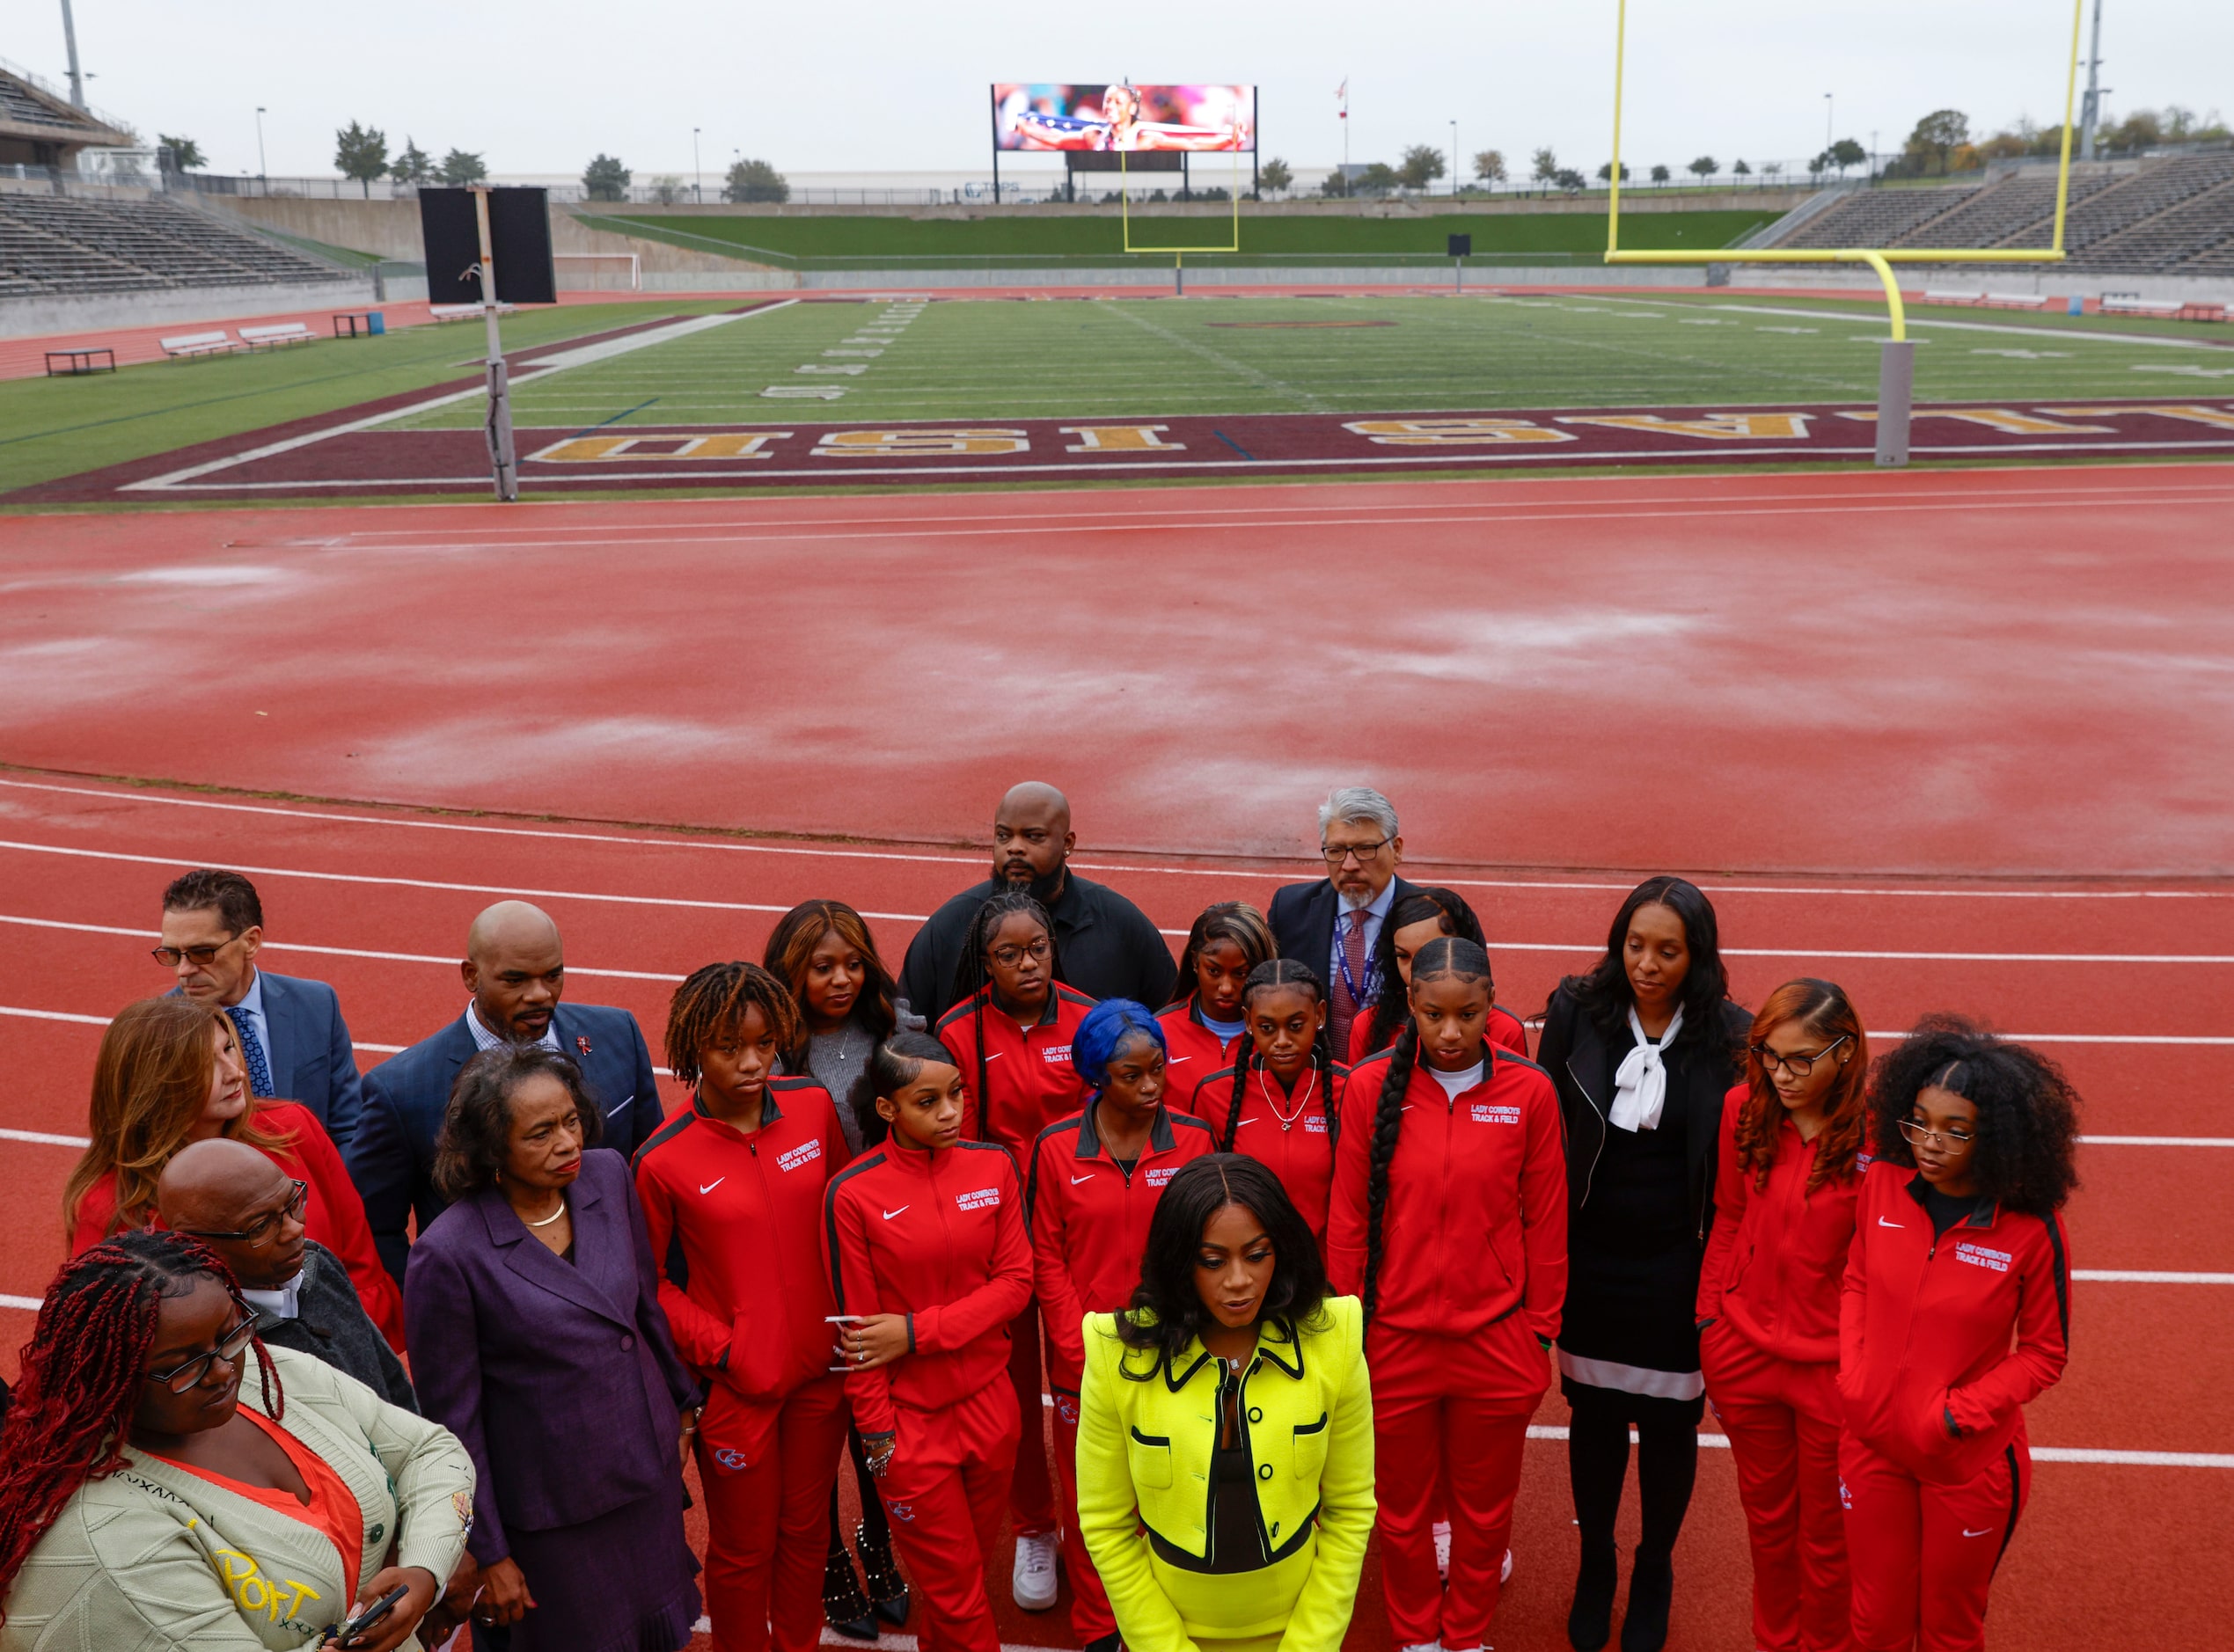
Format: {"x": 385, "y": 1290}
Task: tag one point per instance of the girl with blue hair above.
{"x": 1094, "y": 1180}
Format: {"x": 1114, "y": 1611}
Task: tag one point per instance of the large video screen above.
{"x": 1042, "y": 115}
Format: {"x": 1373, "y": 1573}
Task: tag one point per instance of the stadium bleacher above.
{"x": 64, "y": 243}
{"x": 1876, "y": 217}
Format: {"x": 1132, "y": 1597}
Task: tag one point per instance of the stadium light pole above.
{"x": 262, "y": 174}
{"x": 1453, "y": 159}
{"x": 698, "y": 172}
{"x": 77, "y": 81}
{"x": 2090, "y": 117}
{"x": 1830, "y": 119}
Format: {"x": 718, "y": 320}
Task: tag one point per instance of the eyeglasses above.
{"x": 1799, "y": 1067}
{"x": 1336, "y": 854}
{"x": 200, "y": 956}
{"x": 265, "y": 1228}
{"x": 183, "y": 1378}
{"x": 1918, "y": 1135}
{"x": 1009, "y": 957}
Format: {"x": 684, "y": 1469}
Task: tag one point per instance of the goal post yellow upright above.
{"x": 1898, "y": 371}
{"x": 1178, "y": 253}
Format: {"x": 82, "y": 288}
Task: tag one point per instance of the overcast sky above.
{"x": 897, "y": 85}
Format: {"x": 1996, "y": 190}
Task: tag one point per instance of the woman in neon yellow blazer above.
{"x": 1225, "y": 1438}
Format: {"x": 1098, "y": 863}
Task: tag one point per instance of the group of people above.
{"x": 1197, "y": 1277}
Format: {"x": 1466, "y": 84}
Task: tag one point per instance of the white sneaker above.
{"x": 1443, "y": 1549}
{"x": 1033, "y": 1582}
{"x": 1505, "y": 1572}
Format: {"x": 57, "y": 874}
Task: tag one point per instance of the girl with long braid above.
{"x": 1449, "y": 1220}
{"x": 1415, "y": 919}
{"x": 1010, "y": 1033}
{"x": 152, "y": 1493}
{"x": 1280, "y": 1104}
{"x": 1228, "y": 940}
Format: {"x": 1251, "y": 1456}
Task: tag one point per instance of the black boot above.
{"x": 1590, "y": 1621}
{"x": 1652, "y": 1586}
{"x": 844, "y": 1606}
{"x": 886, "y": 1589}
{"x": 1108, "y": 1642}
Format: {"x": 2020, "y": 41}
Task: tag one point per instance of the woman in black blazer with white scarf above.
{"x": 1642, "y": 1048}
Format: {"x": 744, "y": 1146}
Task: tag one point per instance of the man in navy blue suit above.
{"x": 515, "y": 970}
{"x": 1334, "y": 926}
{"x": 293, "y": 1040}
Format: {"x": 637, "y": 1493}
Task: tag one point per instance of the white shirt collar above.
{"x": 1378, "y": 907}
{"x": 483, "y": 1038}
{"x": 281, "y": 1303}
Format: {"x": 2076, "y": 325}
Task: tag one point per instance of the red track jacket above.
{"x": 1089, "y": 1224}
{"x": 1302, "y": 1154}
{"x": 1504, "y": 1029}
{"x": 736, "y": 1224}
{"x": 1776, "y": 1260}
{"x": 939, "y": 1237}
{"x": 1192, "y": 1052}
{"x": 1476, "y": 1225}
{"x": 1028, "y": 1077}
{"x": 1924, "y": 1362}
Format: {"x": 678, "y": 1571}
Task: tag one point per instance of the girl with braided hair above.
{"x": 1228, "y": 940}
{"x": 1010, "y": 1033}
{"x": 1413, "y": 920}
{"x": 732, "y": 1191}
{"x": 152, "y": 1493}
{"x": 1449, "y": 1220}
{"x": 1280, "y": 1102}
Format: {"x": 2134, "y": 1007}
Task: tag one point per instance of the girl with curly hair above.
{"x": 1794, "y": 1149}
{"x": 1956, "y": 1313}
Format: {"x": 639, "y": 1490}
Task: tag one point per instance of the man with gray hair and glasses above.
{"x": 1332, "y": 924}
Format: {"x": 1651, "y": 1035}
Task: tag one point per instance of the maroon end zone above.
{"x": 335, "y": 455}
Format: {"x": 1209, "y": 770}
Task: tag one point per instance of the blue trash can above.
{"x": 376, "y": 323}
{"x": 2077, "y": 308}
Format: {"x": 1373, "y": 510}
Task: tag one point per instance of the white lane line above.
{"x": 328, "y": 951}
{"x": 46, "y": 1138}
{"x": 2157, "y": 1141}
{"x": 2058, "y": 335}
{"x": 1227, "y": 874}
{"x": 2040, "y": 1453}
{"x": 29, "y": 1305}
{"x": 2136, "y": 1276}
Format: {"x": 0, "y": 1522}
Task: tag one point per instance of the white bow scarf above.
{"x": 1640, "y": 1083}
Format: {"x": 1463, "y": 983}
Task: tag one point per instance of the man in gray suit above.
{"x": 293, "y": 1040}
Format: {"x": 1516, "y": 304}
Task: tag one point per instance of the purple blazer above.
{"x": 561, "y": 1378}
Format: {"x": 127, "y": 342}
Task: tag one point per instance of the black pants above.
{"x": 876, "y": 1533}
{"x": 1667, "y": 1463}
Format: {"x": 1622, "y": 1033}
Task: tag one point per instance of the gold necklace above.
{"x": 1288, "y": 1120}
{"x": 554, "y": 1217}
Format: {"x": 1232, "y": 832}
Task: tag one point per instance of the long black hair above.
{"x": 1166, "y": 1313}
{"x": 973, "y": 977}
{"x": 1391, "y": 1007}
{"x": 2028, "y": 1112}
{"x": 1449, "y": 956}
{"x": 1605, "y": 994}
{"x": 1282, "y": 972}
{"x": 1236, "y": 921}
{"x": 893, "y": 1065}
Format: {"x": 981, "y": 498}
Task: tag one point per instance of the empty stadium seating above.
{"x": 1876, "y": 217}
{"x": 64, "y": 243}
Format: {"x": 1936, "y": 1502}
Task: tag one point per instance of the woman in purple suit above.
{"x": 537, "y": 1339}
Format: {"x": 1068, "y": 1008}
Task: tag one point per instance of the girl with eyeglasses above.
{"x": 1010, "y": 1033}
{"x": 1956, "y": 1314}
{"x": 1793, "y": 1148}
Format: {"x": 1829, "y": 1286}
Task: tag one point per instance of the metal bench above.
{"x": 282, "y": 332}
{"x": 75, "y": 362}
{"x": 188, "y": 344}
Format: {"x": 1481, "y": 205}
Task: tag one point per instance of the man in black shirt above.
{"x": 1106, "y": 946}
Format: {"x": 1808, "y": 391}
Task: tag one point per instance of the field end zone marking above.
{"x": 1229, "y": 873}
{"x": 559, "y": 361}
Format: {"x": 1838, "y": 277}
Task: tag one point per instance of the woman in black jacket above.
{"x": 1642, "y": 1048}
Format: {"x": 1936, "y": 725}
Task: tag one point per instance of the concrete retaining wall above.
{"x": 65, "y": 312}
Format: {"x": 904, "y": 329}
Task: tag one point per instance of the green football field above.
{"x": 989, "y": 361}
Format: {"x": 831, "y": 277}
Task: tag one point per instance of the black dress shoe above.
{"x": 886, "y": 1589}
{"x": 843, "y": 1607}
{"x": 1590, "y": 1620}
{"x": 1108, "y": 1642}
{"x": 1652, "y": 1586}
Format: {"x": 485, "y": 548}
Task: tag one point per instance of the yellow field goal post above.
{"x": 1896, "y": 376}
{"x": 1178, "y": 253}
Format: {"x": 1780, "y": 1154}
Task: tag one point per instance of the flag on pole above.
{"x": 1341, "y": 99}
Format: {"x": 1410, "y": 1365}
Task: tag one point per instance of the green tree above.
{"x": 1605, "y": 173}
{"x": 411, "y": 164}
{"x": 667, "y": 189}
{"x": 1274, "y": 176}
{"x": 1661, "y": 174}
{"x": 1738, "y": 169}
{"x": 1489, "y": 167}
{"x": 1546, "y": 165}
{"x": 186, "y": 155}
{"x": 1845, "y": 153}
{"x": 1937, "y": 137}
{"x": 1570, "y": 180}
{"x": 1705, "y": 167}
{"x": 605, "y": 179}
{"x": 1422, "y": 166}
{"x": 1379, "y": 178}
{"x": 462, "y": 166}
{"x": 361, "y": 152}
{"x": 756, "y": 180}
{"x": 1335, "y": 185}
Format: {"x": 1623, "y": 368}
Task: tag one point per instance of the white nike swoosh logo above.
{"x": 1985, "y": 1532}
{"x": 1881, "y": 1221}
{"x": 716, "y": 1182}
{"x": 995, "y": 1056}
{"x": 889, "y": 1215}
{"x": 1076, "y": 1179}
{"x": 1175, "y": 1060}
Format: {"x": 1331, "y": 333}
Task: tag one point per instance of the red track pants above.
{"x": 1464, "y": 1403}
{"x": 1782, "y": 1418}
{"x": 768, "y": 1471}
{"x": 945, "y": 1492}
{"x": 1925, "y": 1555}
{"x": 1091, "y": 1613}
{"x": 1031, "y": 1494}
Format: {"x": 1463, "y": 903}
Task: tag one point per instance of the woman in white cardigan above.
{"x": 165, "y": 1481}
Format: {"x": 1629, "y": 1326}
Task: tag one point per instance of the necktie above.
{"x": 252, "y": 1052}
{"x": 1345, "y": 1006}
